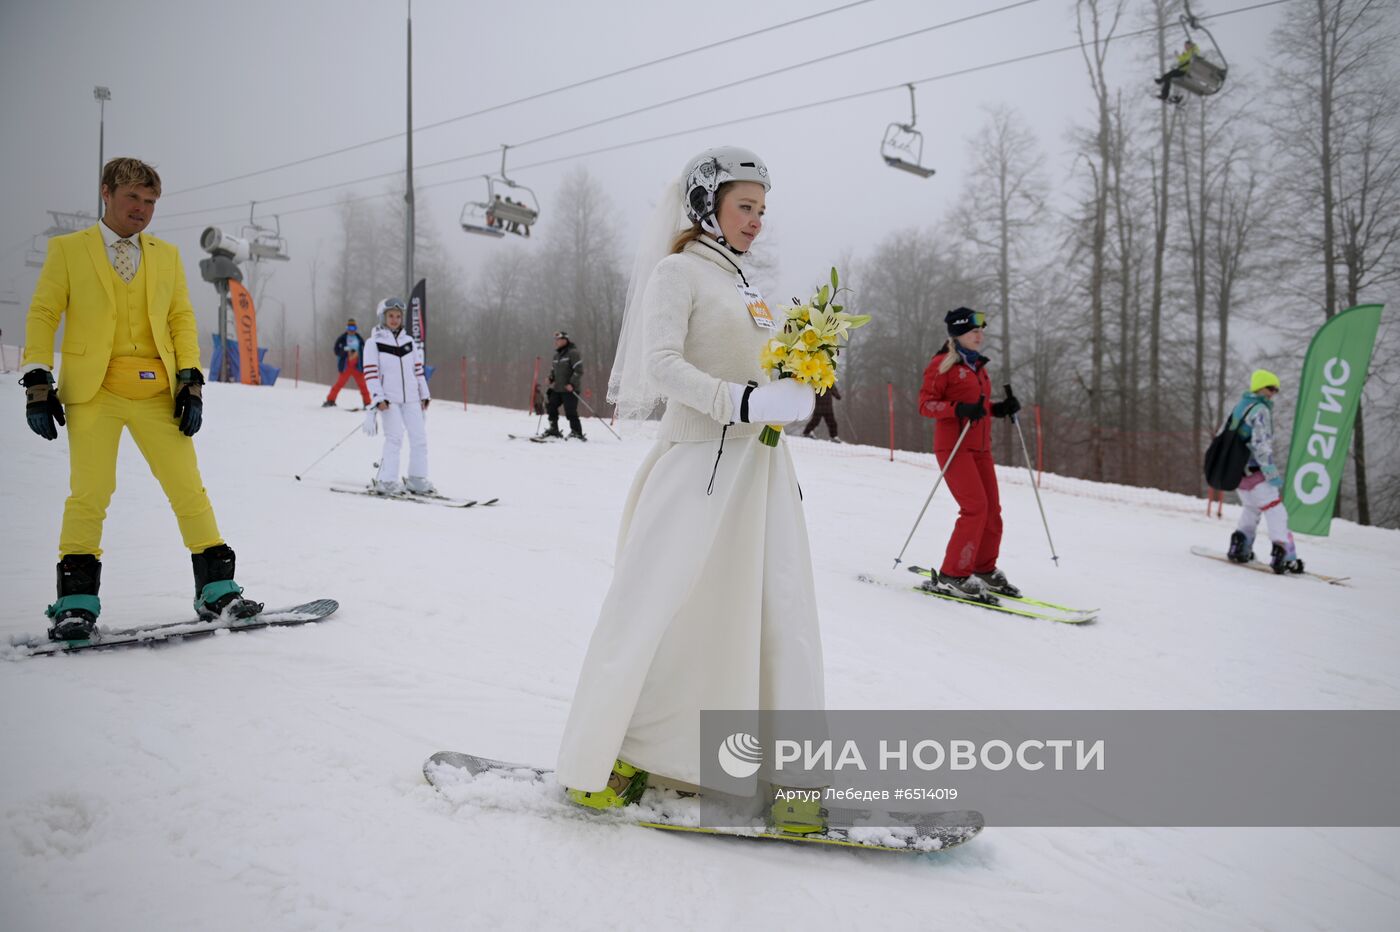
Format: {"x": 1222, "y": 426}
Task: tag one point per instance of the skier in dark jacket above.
{"x": 348, "y": 347}
{"x": 565, "y": 377}
{"x": 824, "y": 411}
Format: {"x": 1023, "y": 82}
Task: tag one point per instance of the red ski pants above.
{"x": 351, "y": 371}
{"x": 976, "y": 540}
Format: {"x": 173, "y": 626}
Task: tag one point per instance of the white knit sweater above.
{"x": 698, "y": 335}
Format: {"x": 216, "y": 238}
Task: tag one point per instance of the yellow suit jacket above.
{"x": 77, "y": 282}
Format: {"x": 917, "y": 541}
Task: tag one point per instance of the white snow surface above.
{"x": 272, "y": 780}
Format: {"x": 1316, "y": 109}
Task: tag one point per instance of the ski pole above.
{"x": 595, "y": 414}
{"x": 899, "y": 559}
{"x": 330, "y": 451}
{"x": 1025, "y": 454}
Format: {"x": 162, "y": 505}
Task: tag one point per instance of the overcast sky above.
{"x": 208, "y": 90}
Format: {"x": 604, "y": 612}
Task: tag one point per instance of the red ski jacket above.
{"x": 941, "y": 391}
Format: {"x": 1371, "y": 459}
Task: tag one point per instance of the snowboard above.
{"x": 468, "y": 778}
{"x": 1266, "y": 568}
{"x": 148, "y": 635}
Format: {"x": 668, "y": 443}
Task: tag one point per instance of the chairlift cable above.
{"x": 619, "y": 116}
{"x": 688, "y": 131}
{"x": 531, "y": 97}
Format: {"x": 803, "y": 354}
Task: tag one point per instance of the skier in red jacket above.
{"x": 956, "y": 393}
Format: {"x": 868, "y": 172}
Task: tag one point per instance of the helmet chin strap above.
{"x": 710, "y": 224}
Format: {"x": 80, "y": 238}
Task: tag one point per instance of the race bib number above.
{"x": 756, "y": 306}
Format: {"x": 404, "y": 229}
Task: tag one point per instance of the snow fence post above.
{"x": 889, "y": 388}
{"x": 464, "y": 383}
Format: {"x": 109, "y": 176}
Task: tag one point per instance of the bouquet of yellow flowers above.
{"x": 809, "y": 342}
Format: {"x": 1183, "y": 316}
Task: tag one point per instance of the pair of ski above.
{"x": 538, "y": 438}
{"x": 430, "y": 498}
{"x": 167, "y": 632}
{"x": 1024, "y": 606}
{"x": 466, "y": 778}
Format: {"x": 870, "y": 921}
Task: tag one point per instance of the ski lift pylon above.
{"x": 498, "y": 213}
{"x": 1203, "y": 76}
{"x": 903, "y": 145}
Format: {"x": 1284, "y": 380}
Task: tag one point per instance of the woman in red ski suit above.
{"x": 956, "y": 392}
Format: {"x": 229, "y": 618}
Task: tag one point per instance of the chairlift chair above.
{"x": 265, "y": 242}
{"x": 34, "y": 258}
{"x": 901, "y": 140}
{"x": 478, "y": 218}
{"x": 1203, "y": 77}
{"x": 499, "y": 211}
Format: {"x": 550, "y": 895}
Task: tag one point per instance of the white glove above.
{"x": 780, "y": 402}
{"x": 371, "y": 424}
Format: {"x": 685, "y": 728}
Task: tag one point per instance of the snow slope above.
{"x": 271, "y": 780}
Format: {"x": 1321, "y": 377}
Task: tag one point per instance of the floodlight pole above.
{"x": 101, "y": 95}
{"x": 408, "y": 187}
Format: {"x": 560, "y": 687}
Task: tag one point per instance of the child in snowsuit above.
{"x": 1261, "y": 489}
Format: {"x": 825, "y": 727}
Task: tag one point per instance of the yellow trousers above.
{"x": 94, "y": 433}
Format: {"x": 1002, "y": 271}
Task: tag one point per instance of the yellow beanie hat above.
{"x": 1261, "y": 379}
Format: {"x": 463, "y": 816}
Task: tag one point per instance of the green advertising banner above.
{"x": 1329, "y": 390}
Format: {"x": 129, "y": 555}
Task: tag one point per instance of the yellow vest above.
{"x": 135, "y": 369}
{"x": 132, "y": 335}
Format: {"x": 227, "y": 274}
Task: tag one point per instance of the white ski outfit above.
{"x": 712, "y": 603}
{"x": 393, "y": 366}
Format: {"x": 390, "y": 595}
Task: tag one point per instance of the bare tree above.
{"x": 1002, "y": 202}
{"x": 1101, "y": 25}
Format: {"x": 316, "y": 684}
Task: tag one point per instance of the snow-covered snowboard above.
{"x": 1266, "y": 568}
{"x": 466, "y": 778}
{"x": 107, "y": 638}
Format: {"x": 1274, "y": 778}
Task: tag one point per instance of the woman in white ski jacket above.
{"x": 712, "y": 604}
{"x": 398, "y": 390}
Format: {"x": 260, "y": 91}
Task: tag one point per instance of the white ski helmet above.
{"x": 388, "y": 304}
{"x": 707, "y": 171}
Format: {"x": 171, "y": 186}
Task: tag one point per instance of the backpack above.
{"x": 1227, "y": 456}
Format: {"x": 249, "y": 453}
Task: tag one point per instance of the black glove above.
{"x": 972, "y": 410}
{"x": 189, "y": 405}
{"x": 42, "y": 407}
{"x": 1006, "y": 408}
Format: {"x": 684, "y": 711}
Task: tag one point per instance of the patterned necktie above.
{"x": 125, "y": 267}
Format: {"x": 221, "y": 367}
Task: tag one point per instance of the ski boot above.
{"x": 577, "y": 435}
{"x": 1280, "y": 562}
{"x": 625, "y": 787}
{"x": 419, "y": 485}
{"x": 75, "y": 613}
{"x": 216, "y": 595}
{"x": 997, "y": 582}
{"x": 329, "y": 404}
{"x": 800, "y": 816}
{"x": 385, "y": 487}
{"x": 963, "y": 587}
{"x": 553, "y": 431}
{"x": 1240, "y": 549}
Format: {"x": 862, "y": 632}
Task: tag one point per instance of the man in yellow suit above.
{"x": 130, "y": 346}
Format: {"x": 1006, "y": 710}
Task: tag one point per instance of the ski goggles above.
{"x": 964, "y": 319}
{"x": 351, "y": 327}
{"x": 394, "y": 304}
